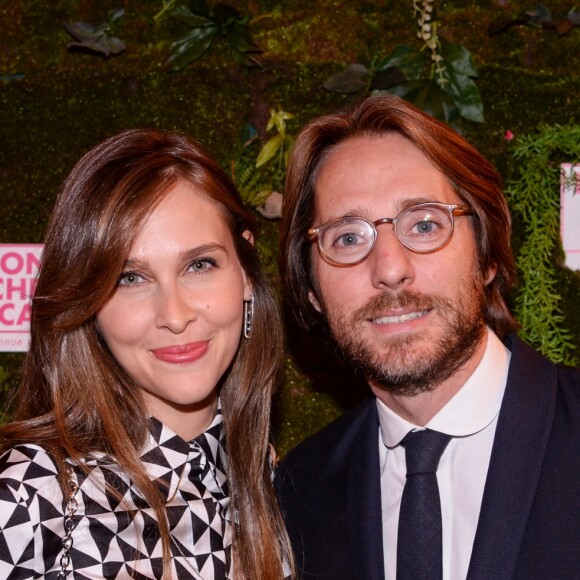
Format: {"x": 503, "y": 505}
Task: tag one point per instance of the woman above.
{"x": 140, "y": 441}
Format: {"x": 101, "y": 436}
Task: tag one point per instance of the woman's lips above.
{"x": 181, "y": 354}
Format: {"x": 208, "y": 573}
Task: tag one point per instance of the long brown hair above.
{"x": 473, "y": 178}
{"x": 75, "y": 399}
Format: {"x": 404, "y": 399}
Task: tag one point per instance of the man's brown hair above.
{"x": 472, "y": 177}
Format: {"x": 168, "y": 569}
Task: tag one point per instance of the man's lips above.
{"x": 389, "y": 308}
{"x": 181, "y": 354}
{"x": 398, "y": 319}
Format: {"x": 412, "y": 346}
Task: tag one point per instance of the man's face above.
{"x": 409, "y": 321}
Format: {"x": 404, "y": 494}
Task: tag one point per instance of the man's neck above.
{"x": 419, "y": 409}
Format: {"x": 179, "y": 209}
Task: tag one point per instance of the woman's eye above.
{"x": 130, "y": 279}
{"x": 202, "y": 265}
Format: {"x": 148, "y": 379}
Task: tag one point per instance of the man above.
{"x": 396, "y": 237}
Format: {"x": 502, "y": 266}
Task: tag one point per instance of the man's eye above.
{"x": 425, "y": 227}
{"x": 348, "y": 239}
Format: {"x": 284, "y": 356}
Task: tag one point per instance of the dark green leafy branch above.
{"x": 539, "y": 17}
{"x": 279, "y": 145}
{"x": 260, "y": 176}
{"x": 207, "y": 23}
{"x": 437, "y": 78}
{"x": 97, "y": 40}
{"x": 533, "y": 198}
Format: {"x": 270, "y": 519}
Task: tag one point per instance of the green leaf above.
{"x": 115, "y": 14}
{"x": 83, "y": 31}
{"x": 574, "y": 17}
{"x": 353, "y": 79}
{"x": 191, "y": 47}
{"x": 429, "y": 97}
{"x": 288, "y": 142}
{"x": 96, "y": 39}
{"x": 246, "y": 58}
{"x": 226, "y": 17}
{"x": 186, "y": 16}
{"x": 114, "y": 45}
{"x": 223, "y": 20}
{"x": 465, "y": 94}
{"x": 458, "y": 58}
{"x": 436, "y": 102}
{"x": 409, "y": 60}
{"x": 458, "y": 68}
{"x": 269, "y": 150}
{"x": 540, "y": 13}
{"x": 241, "y": 40}
{"x": 200, "y": 7}
{"x": 92, "y": 46}
{"x": 278, "y": 118}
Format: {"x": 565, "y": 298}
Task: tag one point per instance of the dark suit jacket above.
{"x": 529, "y": 525}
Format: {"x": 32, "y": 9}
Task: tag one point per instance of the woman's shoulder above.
{"x": 25, "y": 468}
{"x": 26, "y": 454}
{"x": 32, "y": 512}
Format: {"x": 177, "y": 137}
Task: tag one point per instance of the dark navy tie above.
{"x": 419, "y": 543}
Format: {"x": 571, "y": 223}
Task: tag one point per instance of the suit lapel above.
{"x": 521, "y": 437}
{"x": 363, "y": 501}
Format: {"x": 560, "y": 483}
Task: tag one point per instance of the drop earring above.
{"x": 248, "y": 316}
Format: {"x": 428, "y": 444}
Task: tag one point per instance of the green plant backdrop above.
{"x": 56, "y": 103}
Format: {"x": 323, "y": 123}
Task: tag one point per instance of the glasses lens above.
{"x": 424, "y": 228}
{"x": 347, "y": 240}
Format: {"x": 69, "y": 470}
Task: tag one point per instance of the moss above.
{"x": 300, "y": 409}
{"x": 65, "y": 103}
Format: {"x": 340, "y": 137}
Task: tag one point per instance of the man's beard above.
{"x": 397, "y": 363}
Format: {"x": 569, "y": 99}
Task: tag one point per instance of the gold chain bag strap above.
{"x": 70, "y": 509}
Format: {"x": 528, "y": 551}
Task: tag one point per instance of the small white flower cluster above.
{"x": 423, "y": 10}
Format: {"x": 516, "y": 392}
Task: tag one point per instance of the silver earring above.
{"x": 248, "y": 316}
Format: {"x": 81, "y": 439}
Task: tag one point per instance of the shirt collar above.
{"x": 470, "y": 410}
{"x": 165, "y": 455}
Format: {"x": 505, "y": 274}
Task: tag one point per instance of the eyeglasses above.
{"x": 421, "y": 228}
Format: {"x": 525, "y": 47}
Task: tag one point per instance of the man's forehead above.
{"x": 356, "y": 206}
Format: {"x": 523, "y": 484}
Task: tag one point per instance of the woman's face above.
{"x": 174, "y": 322}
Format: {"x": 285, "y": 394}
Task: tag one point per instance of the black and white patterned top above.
{"x": 115, "y": 539}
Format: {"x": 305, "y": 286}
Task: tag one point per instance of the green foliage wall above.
{"x": 56, "y": 104}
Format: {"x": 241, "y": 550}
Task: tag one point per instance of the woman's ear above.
{"x": 248, "y": 235}
{"x": 247, "y": 289}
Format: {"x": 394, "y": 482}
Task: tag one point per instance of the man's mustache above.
{"x": 377, "y": 306}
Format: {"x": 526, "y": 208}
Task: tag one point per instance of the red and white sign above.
{"x": 18, "y": 275}
{"x": 570, "y": 213}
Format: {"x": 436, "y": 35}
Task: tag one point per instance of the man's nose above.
{"x": 391, "y": 262}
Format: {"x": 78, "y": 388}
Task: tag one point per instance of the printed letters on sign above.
{"x": 18, "y": 275}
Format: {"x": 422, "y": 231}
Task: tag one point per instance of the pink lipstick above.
{"x": 182, "y": 354}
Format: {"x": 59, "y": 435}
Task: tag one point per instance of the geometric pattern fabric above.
{"x": 112, "y": 538}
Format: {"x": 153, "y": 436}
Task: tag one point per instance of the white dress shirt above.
{"x": 470, "y": 417}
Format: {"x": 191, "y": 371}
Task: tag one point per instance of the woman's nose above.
{"x": 175, "y": 308}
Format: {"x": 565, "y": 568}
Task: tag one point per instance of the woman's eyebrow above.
{"x": 186, "y": 256}
{"x": 200, "y": 251}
